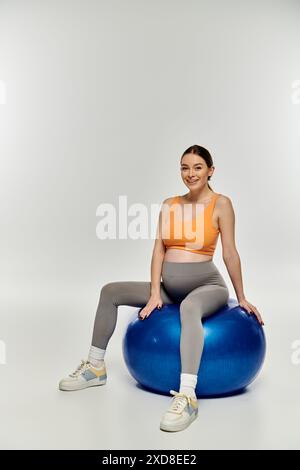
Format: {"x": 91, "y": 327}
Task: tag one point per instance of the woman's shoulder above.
{"x": 171, "y": 200}
{"x": 223, "y": 203}
{"x": 223, "y": 199}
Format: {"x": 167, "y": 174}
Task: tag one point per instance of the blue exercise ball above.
{"x": 233, "y": 353}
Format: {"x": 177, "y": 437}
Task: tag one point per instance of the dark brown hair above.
{"x": 202, "y": 152}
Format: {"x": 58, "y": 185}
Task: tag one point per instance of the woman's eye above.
{"x": 197, "y": 168}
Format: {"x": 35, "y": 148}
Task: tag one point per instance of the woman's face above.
{"x": 194, "y": 171}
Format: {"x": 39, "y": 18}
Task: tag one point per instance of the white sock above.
{"x": 96, "y": 356}
{"x": 188, "y": 384}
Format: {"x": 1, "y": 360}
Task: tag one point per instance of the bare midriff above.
{"x": 184, "y": 256}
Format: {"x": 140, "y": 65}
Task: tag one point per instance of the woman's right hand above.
{"x": 154, "y": 302}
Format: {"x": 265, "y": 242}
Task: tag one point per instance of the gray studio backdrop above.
{"x": 100, "y": 99}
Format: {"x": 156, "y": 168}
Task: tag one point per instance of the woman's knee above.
{"x": 189, "y": 309}
{"x": 196, "y": 307}
{"x": 110, "y": 289}
{"x": 223, "y": 295}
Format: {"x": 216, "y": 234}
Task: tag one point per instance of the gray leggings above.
{"x": 198, "y": 287}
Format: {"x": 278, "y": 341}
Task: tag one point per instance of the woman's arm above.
{"x": 230, "y": 254}
{"x": 156, "y": 268}
{"x": 158, "y": 255}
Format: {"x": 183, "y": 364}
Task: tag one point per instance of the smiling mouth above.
{"x": 192, "y": 182}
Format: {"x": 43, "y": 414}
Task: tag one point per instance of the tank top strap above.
{"x": 212, "y": 205}
{"x": 174, "y": 200}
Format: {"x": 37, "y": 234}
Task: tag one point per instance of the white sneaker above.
{"x": 84, "y": 376}
{"x": 181, "y": 413}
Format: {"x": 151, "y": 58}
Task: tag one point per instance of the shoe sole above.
{"x": 171, "y": 427}
{"x": 70, "y": 388}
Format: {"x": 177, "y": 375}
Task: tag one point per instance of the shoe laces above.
{"x": 84, "y": 365}
{"x": 179, "y": 402}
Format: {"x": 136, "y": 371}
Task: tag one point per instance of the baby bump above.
{"x": 181, "y": 278}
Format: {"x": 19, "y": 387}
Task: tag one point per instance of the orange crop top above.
{"x": 179, "y": 228}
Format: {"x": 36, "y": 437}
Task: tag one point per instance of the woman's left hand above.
{"x": 251, "y": 309}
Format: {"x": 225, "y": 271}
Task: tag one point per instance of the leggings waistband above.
{"x": 191, "y": 267}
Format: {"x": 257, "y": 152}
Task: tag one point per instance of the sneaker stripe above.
{"x": 98, "y": 373}
{"x": 90, "y": 375}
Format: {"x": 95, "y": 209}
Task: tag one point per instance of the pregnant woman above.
{"x": 182, "y": 271}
